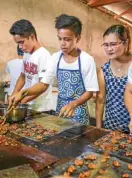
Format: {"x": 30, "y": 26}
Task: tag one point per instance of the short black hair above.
{"x": 65, "y": 21}
{"x": 23, "y": 28}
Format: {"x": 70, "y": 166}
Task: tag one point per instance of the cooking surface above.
{"x": 69, "y": 141}
{"x": 53, "y": 122}
{"x": 42, "y": 128}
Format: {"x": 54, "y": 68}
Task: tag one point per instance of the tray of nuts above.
{"x": 118, "y": 144}
{"x": 94, "y": 165}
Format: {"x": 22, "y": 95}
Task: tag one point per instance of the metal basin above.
{"x": 17, "y": 114}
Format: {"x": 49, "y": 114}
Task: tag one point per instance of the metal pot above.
{"x": 16, "y": 114}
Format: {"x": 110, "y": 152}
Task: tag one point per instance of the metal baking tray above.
{"x": 120, "y": 147}
{"x": 107, "y": 166}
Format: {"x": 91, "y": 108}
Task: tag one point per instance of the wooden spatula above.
{"x": 6, "y": 114}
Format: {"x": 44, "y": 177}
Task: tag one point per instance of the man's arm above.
{"x": 36, "y": 90}
{"x": 128, "y": 97}
{"x": 100, "y": 99}
{"x": 128, "y": 91}
{"x": 28, "y": 99}
{"x": 128, "y": 102}
{"x": 29, "y": 93}
{"x": 20, "y": 83}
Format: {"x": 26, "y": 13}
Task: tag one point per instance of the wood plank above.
{"x": 123, "y": 13}
{"x": 96, "y": 3}
{"x": 36, "y": 158}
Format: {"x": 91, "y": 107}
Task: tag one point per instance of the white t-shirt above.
{"x": 130, "y": 74}
{"x": 88, "y": 70}
{"x": 34, "y": 67}
{"x": 14, "y": 67}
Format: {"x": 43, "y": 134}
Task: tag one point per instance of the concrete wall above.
{"x": 42, "y": 14}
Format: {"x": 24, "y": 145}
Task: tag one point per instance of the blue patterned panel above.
{"x": 68, "y": 84}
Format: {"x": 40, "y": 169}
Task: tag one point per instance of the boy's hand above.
{"x": 14, "y": 99}
{"x": 68, "y": 110}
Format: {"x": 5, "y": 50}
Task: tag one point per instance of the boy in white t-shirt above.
{"x": 10, "y": 69}
{"x": 34, "y": 64}
{"x": 75, "y": 71}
